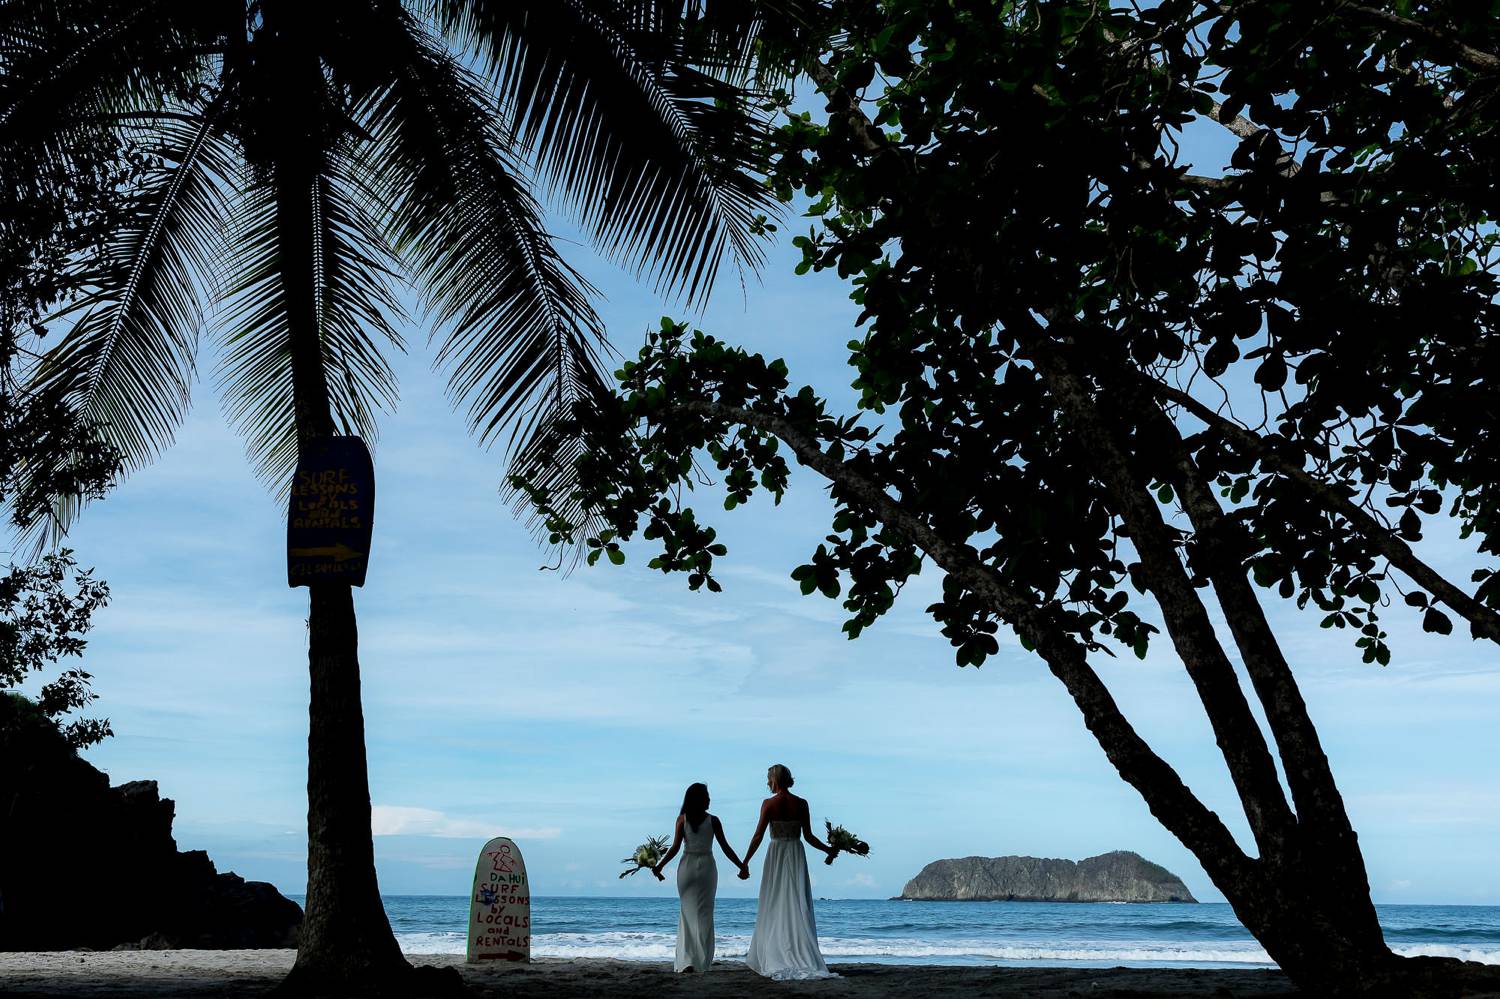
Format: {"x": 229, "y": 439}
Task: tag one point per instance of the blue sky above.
{"x": 570, "y": 711}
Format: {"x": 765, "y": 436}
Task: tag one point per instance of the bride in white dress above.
{"x": 785, "y": 942}
{"x": 697, "y": 878}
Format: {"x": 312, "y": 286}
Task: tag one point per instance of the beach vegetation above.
{"x": 1121, "y": 399}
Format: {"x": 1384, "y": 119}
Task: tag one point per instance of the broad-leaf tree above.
{"x": 1114, "y": 388}
{"x": 45, "y": 610}
{"x": 305, "y": 161}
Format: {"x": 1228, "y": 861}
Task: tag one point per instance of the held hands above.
{"x": 744, "y": 874}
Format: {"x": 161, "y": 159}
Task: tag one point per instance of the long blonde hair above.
{"x": 780, "y": 776}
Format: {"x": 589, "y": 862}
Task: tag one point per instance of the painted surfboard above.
{"x": 500, "y": 906}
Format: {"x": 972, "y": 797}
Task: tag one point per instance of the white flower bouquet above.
{"x": 844, "y": 841}
{"x": 646, "y": 856}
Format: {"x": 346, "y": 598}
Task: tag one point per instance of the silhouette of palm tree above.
{"x": 307, "y": 158}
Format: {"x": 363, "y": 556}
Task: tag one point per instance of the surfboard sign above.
{"x": 500, "y": 907}
{"x": 331, "y": 513}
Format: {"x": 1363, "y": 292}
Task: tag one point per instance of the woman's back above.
{"x": 701, "y": 839}
{"x": 786, "y": 828}
{"x": 784, "y": 806}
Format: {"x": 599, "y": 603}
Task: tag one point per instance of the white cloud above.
{"x": 404, "y": 820}
{"x": 1451, "y": 804}
{"x": 861, "y": 881}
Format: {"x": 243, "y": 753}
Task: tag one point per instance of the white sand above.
{"x": 179, "y": 974}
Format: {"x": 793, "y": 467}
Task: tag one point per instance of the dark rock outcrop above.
{"x": 1120, "y": 876}
{"x": 83, "y": 864}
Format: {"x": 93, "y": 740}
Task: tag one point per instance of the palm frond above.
{"x": 128, "y": 361}
{"x": 731, "y": 37}
{"x": 548, "y": 460}
{"x": 355, "y": 305}
{"x": 661, "y": 156}
{"x": 517, "y": 333}
{"x": 66, "y": 63}
{"x": 635, "y": 110}
{"x": 512, "y": 312}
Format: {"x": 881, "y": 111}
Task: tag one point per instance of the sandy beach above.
{"x": 179, "y": 974}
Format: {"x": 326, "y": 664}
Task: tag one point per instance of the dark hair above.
{"x": 695, "y": 805}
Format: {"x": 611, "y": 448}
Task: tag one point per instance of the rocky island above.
{"x": 1120, "y": 876}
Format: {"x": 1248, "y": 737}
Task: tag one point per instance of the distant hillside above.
{"x": 1120, "y": 876}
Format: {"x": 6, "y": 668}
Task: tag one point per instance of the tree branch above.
{"x": 843, "y": 106}
{"x": 1320, "y": 807}
{"x": 1238, "y": 124}
{"x": 1483, "y": 621}
{"x": 1236, "y": 731}
{"x": 1466, "y": 54}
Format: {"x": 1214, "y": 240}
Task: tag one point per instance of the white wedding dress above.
{"x": 697, "y": 882}
{"x": 785, "y": 942}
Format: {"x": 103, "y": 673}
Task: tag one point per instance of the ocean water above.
{"x": 999, "y": 933}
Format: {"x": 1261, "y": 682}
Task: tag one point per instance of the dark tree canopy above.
{"x": 1110, "y": 382}
{"x": 53, "y": 215}
{"x": 1342, "y": 272}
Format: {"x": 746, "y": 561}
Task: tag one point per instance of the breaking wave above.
{"x": 647, "y": 946}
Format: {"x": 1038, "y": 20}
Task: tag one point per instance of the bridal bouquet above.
{"x": 646, "y": 856}
{"x": 844, "y": 841}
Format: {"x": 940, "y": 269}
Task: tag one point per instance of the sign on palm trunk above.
{"x": 331, "y": 513}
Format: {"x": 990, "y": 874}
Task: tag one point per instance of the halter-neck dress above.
{"x": 697, "y": 882}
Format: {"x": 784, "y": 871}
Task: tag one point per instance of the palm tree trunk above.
{"x": 346, "y": 946}
{"x": 346, "y": 936}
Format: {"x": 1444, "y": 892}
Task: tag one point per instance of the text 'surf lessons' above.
{"x": 331, "y": 513}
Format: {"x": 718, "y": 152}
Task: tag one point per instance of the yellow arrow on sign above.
{"x": 339, "y": 552}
